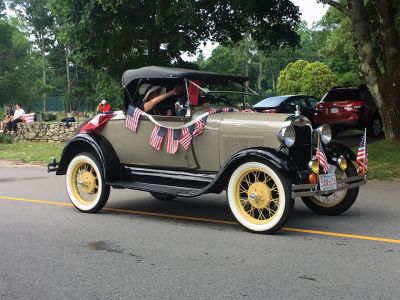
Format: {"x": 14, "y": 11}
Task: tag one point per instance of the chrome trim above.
{"x": 301, "y": 190}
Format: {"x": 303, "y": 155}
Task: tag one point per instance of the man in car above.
{"x": 151, "y": 95}
{"x": 103, "y": 107}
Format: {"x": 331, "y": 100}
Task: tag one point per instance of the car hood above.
{"x": 245, "y": 122}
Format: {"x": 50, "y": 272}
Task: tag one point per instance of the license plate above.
{"x": 334, "y": 110}
{"x": 327, "y": 182}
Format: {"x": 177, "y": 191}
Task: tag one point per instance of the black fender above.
{"x": 277, "y": 159}
{"x": 336, "y": 149}
{"x": 95, "y": 144}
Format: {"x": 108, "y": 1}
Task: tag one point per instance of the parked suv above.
{"x": 348, "y": 108}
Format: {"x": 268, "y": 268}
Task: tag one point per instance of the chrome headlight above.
{"x": 325, "y": 133}
{"x": 287, "y": 136}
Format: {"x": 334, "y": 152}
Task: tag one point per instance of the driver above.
{"x": 151, "y": 95}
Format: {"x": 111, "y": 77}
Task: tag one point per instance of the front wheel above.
{"x": 375, "y": 129}
{"x": 85, "y": 183}
{"x": 337, "y": 202}
{"x": 259, "y": 197}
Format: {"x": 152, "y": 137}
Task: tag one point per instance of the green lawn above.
{"x": 384, "y": 158}
{"x": 37, "y": 153}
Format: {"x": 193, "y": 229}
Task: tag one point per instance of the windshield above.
{"x": 271, "y": 102}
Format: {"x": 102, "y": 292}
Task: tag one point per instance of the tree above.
{"x": 316, "y": 79}
{"x": 289, "y": 78}
{"x": 302, "y": 77}
{"x": 376, "y": 39}
{"x": 119, "y": 34}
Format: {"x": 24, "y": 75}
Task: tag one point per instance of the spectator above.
{"x": 103, "y": 107}
{"x": 17, "y": 117}
{"x": 7, "y": 119}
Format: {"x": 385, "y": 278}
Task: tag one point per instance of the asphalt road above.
{"x": 49, "y": 250}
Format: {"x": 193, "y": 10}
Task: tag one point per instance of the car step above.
{"x": 157, "y": 188}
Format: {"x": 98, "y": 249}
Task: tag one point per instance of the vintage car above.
{"x": 262, "y": 161}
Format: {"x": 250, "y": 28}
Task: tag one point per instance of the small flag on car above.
{"x": 200, "y": 124}
{"x": 157, "y": 136}
{"x": 322, "y": 160}
{"x": 362, "y": 155}
{"x": 173, "y": 136}
{"x": 132, "y": 117}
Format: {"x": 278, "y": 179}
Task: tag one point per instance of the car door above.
{"x": 135, "y": 149}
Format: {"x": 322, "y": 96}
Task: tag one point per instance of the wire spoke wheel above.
{"x": 85, "y": 183}
{"x": 259, "y": 197}
{"x": 337, "y": 202}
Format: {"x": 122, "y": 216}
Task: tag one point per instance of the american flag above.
{"x": 212, "y": 111}
{"x": 362, "y": 155}
{"x": 97, "y": 123}
{"x": 323, "y": 161}
{"x": 157, "y": 136}
{"x": 186, "y": 136}
{"x": 28, "y": 118}
{"x": 173, "y": 136}
{"x": 248, "y": 110}
{"x": 200, "y": 124}
{"x": 132, "y": 117}
{"x": 228, "y": 109}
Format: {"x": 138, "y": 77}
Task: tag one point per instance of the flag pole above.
{"x": 318, "y": 149}
{"x": 365, "y": 151}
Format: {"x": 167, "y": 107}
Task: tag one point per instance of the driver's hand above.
{"x": 177, "y": 90}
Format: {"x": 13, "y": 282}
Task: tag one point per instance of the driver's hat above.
{"x": 147, "y": 88}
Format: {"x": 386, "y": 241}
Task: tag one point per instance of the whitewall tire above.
{"x": 259, "y": 197}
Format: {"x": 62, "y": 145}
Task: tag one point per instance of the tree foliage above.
{"x": 302, "y": 77}
{"x": 121, "y": 34}
{"x": 376, "y": 38}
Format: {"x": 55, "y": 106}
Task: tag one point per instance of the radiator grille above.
{"x": 301, "y": 150}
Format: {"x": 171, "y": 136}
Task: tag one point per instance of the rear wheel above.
{"x": 337, "y": 202}
{"x": 85, "y": 183}
{"x": 259, "y": 197}
{"x": 163, "y": 197}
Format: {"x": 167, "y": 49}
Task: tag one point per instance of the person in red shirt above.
{"x": 103, "y": 107}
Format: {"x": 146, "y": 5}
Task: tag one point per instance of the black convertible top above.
{"x": 153, "y": 72}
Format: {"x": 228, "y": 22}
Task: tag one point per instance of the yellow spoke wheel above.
{"x": 85, "y": 184}
{"x": 337, "y": 202}
{"x": 259, "y": 197}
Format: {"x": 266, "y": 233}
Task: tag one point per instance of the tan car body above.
{"x": 225, "y": 134}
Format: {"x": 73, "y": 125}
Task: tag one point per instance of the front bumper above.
{"x": 306, "y": 190}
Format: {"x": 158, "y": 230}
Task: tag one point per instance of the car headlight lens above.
{"x": 287, "y": 136}
{"x": 313, "y": 166}
{"x": 325, "y": 133}
{"x": 342, "y": 163}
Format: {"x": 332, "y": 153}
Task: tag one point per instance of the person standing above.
{"x": 17, "y": 117}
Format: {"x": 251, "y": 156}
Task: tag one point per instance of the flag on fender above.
{"x": 362, "y": 155}
{"x": 200, "y": 124}
{"x": 323, "y": 161}
{"x": 97, "y": 123}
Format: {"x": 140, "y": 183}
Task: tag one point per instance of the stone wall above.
{"x": 45, "y": 132}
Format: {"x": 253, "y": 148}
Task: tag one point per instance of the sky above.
{"x": 311, "y": 11}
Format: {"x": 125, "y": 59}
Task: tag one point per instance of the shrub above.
{"x": 6, "y": 139}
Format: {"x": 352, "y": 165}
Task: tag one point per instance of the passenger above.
{"x": 17, "y": 117}
{"x": 151, "y": 95}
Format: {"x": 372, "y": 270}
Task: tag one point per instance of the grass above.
{"x": 383, "y": 161}
{"x": 35, "y": 153}
{"x": 384, "y": 158}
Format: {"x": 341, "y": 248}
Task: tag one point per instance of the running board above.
{"x": 157, "y": 188}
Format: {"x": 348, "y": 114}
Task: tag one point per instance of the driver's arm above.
{"x": 149, "y": 105}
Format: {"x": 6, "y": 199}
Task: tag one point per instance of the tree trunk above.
{"x": 68, "y": 80}
{"x": 385, "y": 87}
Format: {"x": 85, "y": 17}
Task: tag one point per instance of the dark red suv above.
{"x": 349, "y": 108}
